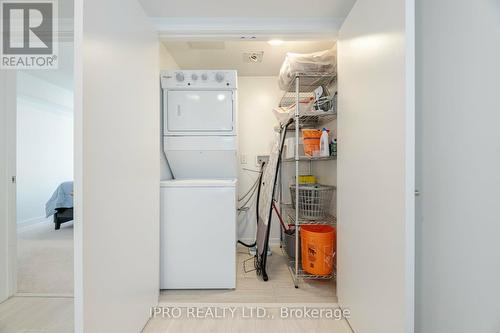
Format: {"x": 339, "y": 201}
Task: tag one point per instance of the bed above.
{"x": 61, "y": 204}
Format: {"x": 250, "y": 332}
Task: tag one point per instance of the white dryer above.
{"x": 198, "y": 207}
{"x": 199, "y": 123}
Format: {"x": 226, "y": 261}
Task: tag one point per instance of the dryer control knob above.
{"x": 194, "y": 77}
{"x": 204, "y": 76}
{"x": 219, "y": 76}
{"x": 179, "y": 77}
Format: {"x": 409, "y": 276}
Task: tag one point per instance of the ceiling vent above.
{"x": 253, "y": 57}
{"x": 249, "y": 37}
{"x": 207, "y": 45}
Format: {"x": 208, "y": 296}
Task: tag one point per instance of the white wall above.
{"x": 167, "y": 62}
{"x": 166, "y": 59}
{"x": 116, "y": 167}
{"x": 375, "y": 166}
{"x": 4, "y": 194}
{"x": 458, "y": 250}
{"x": 44, "y": 144}
{"x": 257, "y": 96}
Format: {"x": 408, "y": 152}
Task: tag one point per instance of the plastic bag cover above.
{"x": 317, "y": 62}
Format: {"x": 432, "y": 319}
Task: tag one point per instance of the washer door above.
{"x": 199, "y": 111}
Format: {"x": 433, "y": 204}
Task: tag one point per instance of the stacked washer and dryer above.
{"x": 198, "y": 206}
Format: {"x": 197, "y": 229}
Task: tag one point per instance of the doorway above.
{"x": 258, "y": 64}
{"x": 39, "y": 130}
{"x": 44, "y": 175}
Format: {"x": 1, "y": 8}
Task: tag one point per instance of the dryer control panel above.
{"x": 199, "y": 79}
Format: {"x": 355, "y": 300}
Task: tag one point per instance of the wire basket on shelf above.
{"x": 314, "y": 200}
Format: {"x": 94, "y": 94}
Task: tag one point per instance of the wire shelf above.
{"x": 311, "y": 120}
{"x": 314, "y": 120}
{"x": 290, "y": 212}
{"x": 310, "y": 81}
{"x": 304, "y": 275}
{"x": 307, "y": 84}
{"x": 312, "y": 113}
{"x": 311, "y": 158}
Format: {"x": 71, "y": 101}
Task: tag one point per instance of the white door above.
{"x": 376, "y": 166}
{"x": 458, "y": 225}
{"x": 199, "y": 111}
{"x": 117, "y": 123}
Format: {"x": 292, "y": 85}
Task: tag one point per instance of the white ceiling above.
{"x": 254, "y": 8}
{"x": 230, "y": 56}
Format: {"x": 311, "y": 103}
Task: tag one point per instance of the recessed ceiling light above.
{"x": 275, "y": 42}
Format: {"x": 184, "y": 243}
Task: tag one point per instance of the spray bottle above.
{"x": 324, "y": 147}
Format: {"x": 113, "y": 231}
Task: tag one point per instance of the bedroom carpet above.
{"x": 45, "y": 259}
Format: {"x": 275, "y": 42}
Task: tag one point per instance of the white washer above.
{"x": 198, "y": 233}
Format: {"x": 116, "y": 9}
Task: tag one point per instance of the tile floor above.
{"x": 251, "y": 289}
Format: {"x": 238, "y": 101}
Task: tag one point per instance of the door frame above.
{"x": 228, "y": 32}
{"x": 8, "y": 226}
{"x": 187, "y": 28}
{"x": 251, "y": 29}
{"x": 410, "y": 158}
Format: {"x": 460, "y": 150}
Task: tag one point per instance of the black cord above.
{"x": 247, "y": 245}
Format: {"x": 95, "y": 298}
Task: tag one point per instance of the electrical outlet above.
{"x": 261, "y": 158}
{"x": 243, "y": 159}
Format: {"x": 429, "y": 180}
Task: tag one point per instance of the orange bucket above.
{"x": 311, "y": 139}
{"x": 318, "y": 246}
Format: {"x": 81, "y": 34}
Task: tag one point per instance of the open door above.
{"x": 376, "y": 166}
{"x": 117, "y": 167}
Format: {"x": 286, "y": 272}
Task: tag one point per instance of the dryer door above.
{"x": 199, "y": 112}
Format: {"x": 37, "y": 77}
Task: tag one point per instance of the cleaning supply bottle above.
{"x": 334, "y": 147}
{"x": 324, "y": 147}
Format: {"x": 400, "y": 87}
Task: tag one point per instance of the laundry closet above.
{"x": 234, "y": 149}
{"x": 367, "y": 170}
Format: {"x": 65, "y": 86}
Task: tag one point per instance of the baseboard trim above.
{"x": 44, "y": 295}
{"x": 29, "y": 222}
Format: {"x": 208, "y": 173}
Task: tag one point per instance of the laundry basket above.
{"x": 314, "y": 200}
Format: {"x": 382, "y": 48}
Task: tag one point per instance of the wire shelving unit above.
{"x": 302, "y": 87}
